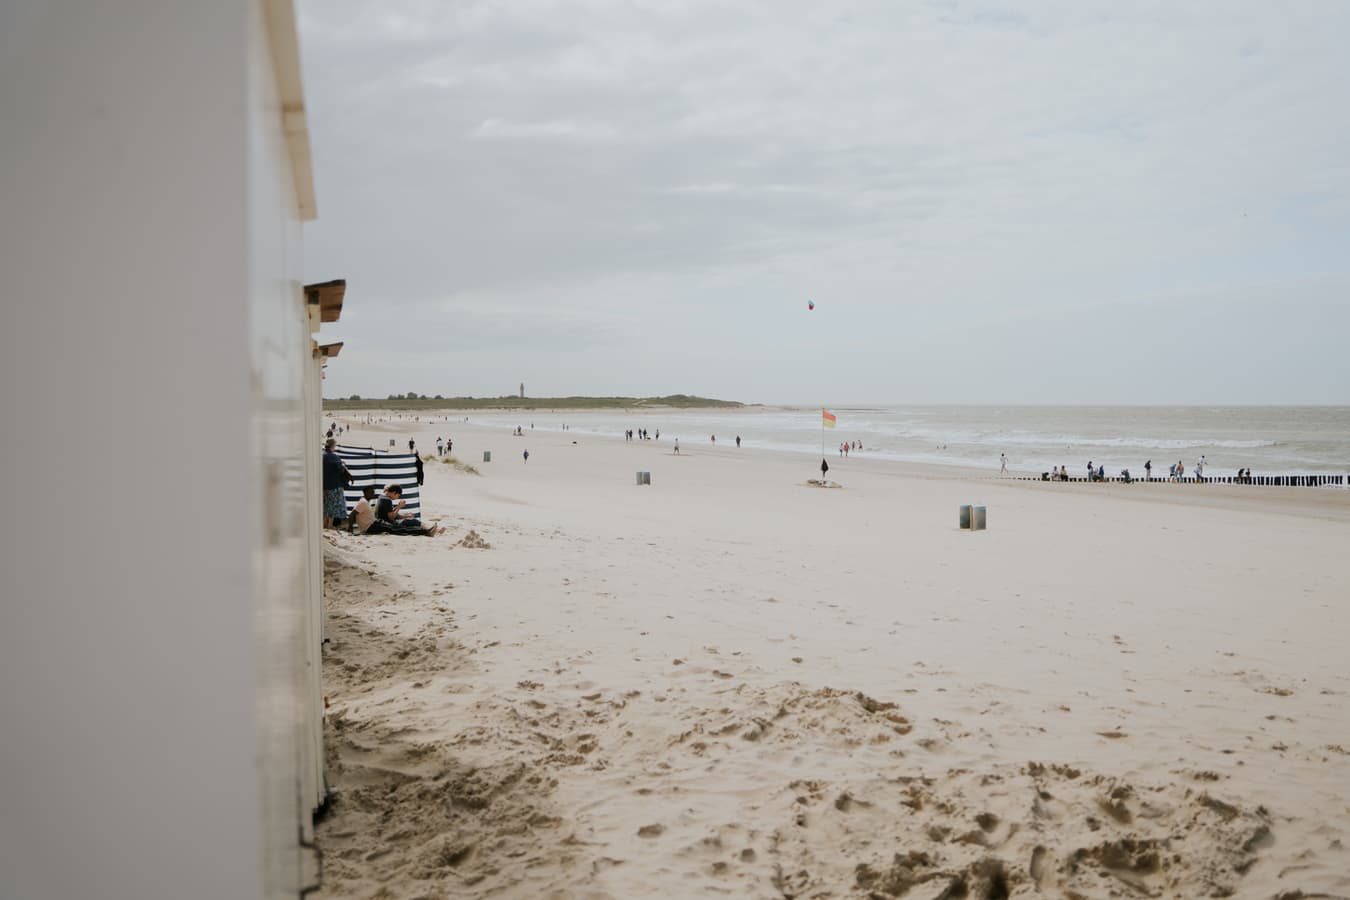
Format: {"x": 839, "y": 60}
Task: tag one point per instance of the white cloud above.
{"x": 922, "y": 166}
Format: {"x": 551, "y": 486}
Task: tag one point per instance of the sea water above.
{"x": 1268, "y": 440}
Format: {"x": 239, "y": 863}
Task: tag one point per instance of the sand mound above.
{"x": 473, "y": 541}
{"x": 993, "y": 834}
{"x": 407, "y": 808}
{"x": 955, "y": 833}
{"x": 440, "y": 790}
{"x": 411, "y": 812}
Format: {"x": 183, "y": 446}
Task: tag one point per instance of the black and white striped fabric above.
{"x": 377, "y": 469}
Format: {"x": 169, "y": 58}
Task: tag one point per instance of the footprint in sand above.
{"x": 1042, "y": 867}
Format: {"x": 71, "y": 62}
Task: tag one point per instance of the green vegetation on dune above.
{"x": 414, "y": 401}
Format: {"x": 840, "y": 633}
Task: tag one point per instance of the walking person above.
{"x": 1148, "y": 470}
{"x": 1003, "y": 464}
{"x": 527, "y": 456}
{"x": 677, "y": 446}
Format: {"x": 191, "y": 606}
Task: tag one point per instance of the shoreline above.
{"x": 424, "y": 433}
{"x": 1301, "y": 449}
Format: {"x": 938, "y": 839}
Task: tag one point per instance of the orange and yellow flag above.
{"x": 826, "y": 418}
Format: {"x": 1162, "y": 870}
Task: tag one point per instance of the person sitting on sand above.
{"x": 391, "y": 519}
{"x": 362, "y": 514}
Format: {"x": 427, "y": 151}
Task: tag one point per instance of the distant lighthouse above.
{"x": 522, "y": 390}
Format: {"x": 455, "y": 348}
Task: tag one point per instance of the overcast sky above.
{"x": 1060, "y": 202}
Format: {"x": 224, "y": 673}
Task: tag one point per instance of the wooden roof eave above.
{"x": 327, "y": 296}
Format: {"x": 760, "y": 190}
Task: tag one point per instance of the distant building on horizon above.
{"x": 522, "y": 390}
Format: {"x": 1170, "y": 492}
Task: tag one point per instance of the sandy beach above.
{"x": 730, "y": 683}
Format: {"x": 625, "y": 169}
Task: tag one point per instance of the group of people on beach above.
{"x": 1178, "y": 471}
{"x": 640, "y": 434}
{"x": 846, "y": 446}
{"x": 1175, "y": 472}
{"x": 387, "y": 516}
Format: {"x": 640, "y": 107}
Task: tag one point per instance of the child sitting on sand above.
{"x": 362, "y": 515}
